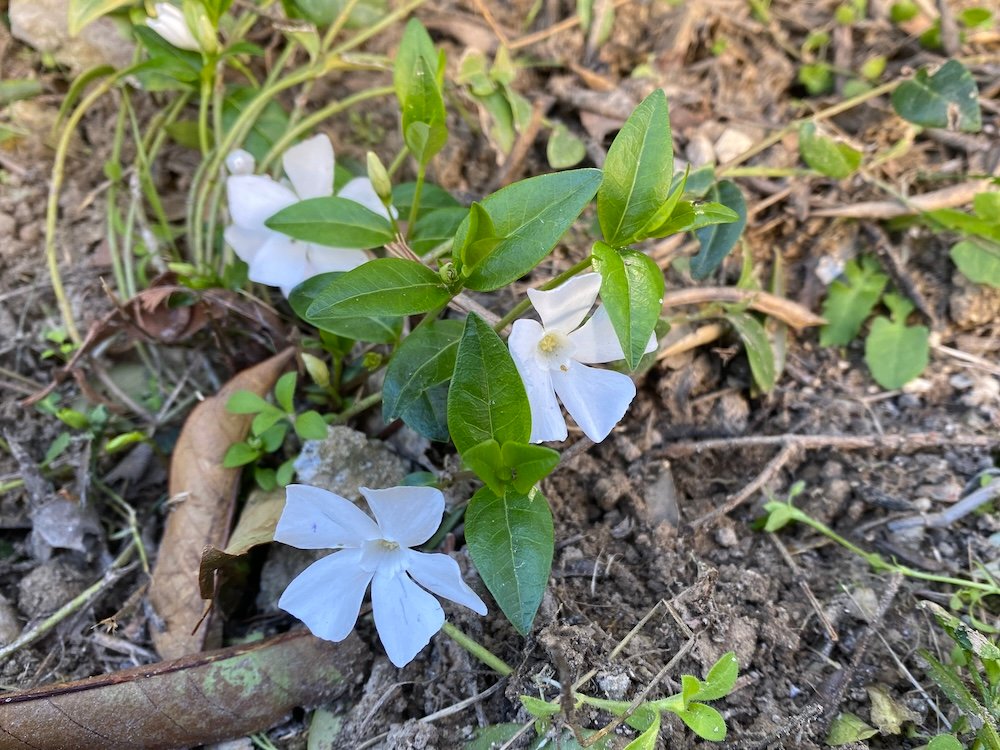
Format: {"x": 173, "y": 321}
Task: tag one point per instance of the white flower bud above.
{"x": 240, "y": 162}
{"x": 169, "y": 23}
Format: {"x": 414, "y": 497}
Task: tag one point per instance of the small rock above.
{"x": 346, "y": 460}
{"x": 837, "y": 491}
{"x": 726, "y": 536}
{"x": 660, "y": 499}
{"x": 972, "y": 305}
{"x": 699, "y": 151}
{"x": 614, "y": 684}
{"x": 10, "y": 623}
{"x": 44, "y": 25}
{"x": 731, "y": 144}
{"x": 48, "y": 587}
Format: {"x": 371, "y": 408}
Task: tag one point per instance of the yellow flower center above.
{"x": 388, "y": 545}
{"x": 549, "y": 343}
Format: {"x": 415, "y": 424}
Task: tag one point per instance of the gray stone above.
{"x": 48, "y": 587}
{"x": 44, "y": 25}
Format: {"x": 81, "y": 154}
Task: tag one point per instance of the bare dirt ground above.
{"x": 636, "y": 517}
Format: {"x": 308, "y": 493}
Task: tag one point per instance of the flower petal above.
{"x": 563, "y": 308}
{"x": 360, "y": 190}
{"x": 327, "y": 595}
{"x": 547, "y": 421}
{"x": 324, "y": 259}
{"x": 309, "y": 166}
{"x": 246, "y": 242}
{"x": 406, "y": 616}
{"x": 407, "y": 515}
{"x": 596, "y": 399}
{"x": 314, "y": 518}
{"x": 253, "y": 199}
{"x": 441, "y": 575}
{"x": 281, "y": 261}
{"x": 596, "y": 340}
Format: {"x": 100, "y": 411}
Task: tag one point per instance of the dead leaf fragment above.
{"x": 205, "y": 494}
{"x": 191, "y": 701}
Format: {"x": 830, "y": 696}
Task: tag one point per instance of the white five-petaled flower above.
{"x": 170, "y": 24}
{"x": 327, "y": 595}
{"x": 552, "y": 358}
{"x": 275, "y": 258}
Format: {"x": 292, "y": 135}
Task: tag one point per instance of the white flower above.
{"x": 275, "y": 258}
{"x": 552, "y": 358}
{"x": 327, "y": 595}
{"x": 170, "y": 24}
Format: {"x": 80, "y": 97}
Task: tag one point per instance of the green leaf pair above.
{"x": 416, "y": 78}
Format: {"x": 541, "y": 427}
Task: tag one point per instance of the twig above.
{"x": 487, "y": 15}
{"x": 698, "y": 337}
{"x": 788, "y": 453}
{"x": 831, "y": 633}
{"x": 541, "y": 36}
{"x": 897, "y": 270}
{"x": 978, "y": 363}
{"x": 783, "y": 309}
{"x": 900, "y": 442}
{"x": 962, "y": 508}
{"x": 949, "y": 197}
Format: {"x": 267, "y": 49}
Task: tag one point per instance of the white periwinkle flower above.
{"x": 169, "y": 23}
{"x": 552, "y": 358}
{"x": 327, "y": 595}
{"x": 275, "y": 258}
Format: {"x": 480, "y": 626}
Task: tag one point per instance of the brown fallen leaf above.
{"x": 205, "y": 494}
{"x": 191, "y": 701}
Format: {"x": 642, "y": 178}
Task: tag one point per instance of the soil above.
{"x": 643, "y": 569}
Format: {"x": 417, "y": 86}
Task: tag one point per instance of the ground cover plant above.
{"x": 506, "y": 354}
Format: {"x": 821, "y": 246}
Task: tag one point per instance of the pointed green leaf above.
{"x": 374, "y": 328}
{"x": 632, "y": 292}
{"x": 528, "y": 464}
{"x": 416, "y": 380}
{"x": 511, "y": 541}
{"x": 381, "y": 287}
{"x": 716, "y": 241}
{"x": 564, "y": 149}
{"x": 246, "y": 402}
{"x": 947, "y": 99}
{"x": 758, "y": 346}
{"x": 637, "y": 171}
{"x": 530, "y": 217}
{"x": 266, "y": 419}
{"x": 333, "y": 222}
{"x": 415, "y": 45}
{"x": 484, "y": 459}
{"x": 848, "y": 729}
{"x": 720, "y": 678}
{"x": 436, "y": 227}
{"x": 487, "y": 399}
{"x": 850, "y": 300}
{"x": 423, "y": 115}
{"x": 284, "y": 391}
{"x": 239, "y": 454}
{"x": 825, "y": 155}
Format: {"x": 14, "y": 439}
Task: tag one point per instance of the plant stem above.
{"x": 519, "y": 309}
{"x": 357, "y": 407}
{"x": 415, "y": 207}
{"x": 486, "y": 657}
{"x": 204, "y": 104}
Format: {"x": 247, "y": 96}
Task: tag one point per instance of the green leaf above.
{"x": 484, "y": 459}
{"x": 704, "y": 721}
{"x": 480, "y": 237}
{"x": 424, "y": 129}
{"x": 511, "y": 541}
{"x": 850, "y": 300}
{"x": 637, "y": 171}
{"x": 945, "y": 742}
{"x": 972, "y": 18}
{"x": 285, "y": 473}
{"x": 432, "y": 197}
{"x": 381, "y": 287}
{"x": 688, "y": 216}
{"x": 538, "y": 708}
{"x": 987, "y": 206}
{"x": 947, "y": 99}
{"x": 266, "y": 419}
{"x": 632, "y": 292}
{"x": 333, "y": 222}
{"x": 978, "y": 260}
{"x": 816, "y": 77}
{"x": 13, "y": 90}
{"x": 239, "y": 454}
{"x": 310, "y": 425}
{"x": 436, "y": 227}
{"x": 720, "y": 678}
{"x": 377, "y": 329}
{"x": 274, "y": 437}
{"x": 530, "y": 216}
{"x": 564, "y": 149}
{"x": 270, "y": 125}
{"x": 83, "y": 12}
{"x": 246, "y": 402}
{"x": 758, "y": 346}
{"x": 416, "y": 380}
{"x": 716, "y": 241}
{"x": 493, "y": 736}
{"x": 825, "y": 155}
{"x": 528, "y": 464}
{"x": 895, "y": 352}
{"x": 284, "y": 391}
{"x": 415, "y": 45}
{"x": 647, "y": 740}
{"x": 487, "y": 399}
{"x": 121, "y": 441}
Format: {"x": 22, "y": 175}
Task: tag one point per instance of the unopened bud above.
{"x": 201, "y": 26}
{"x": 240, "y": 162}
{"x": 379, "y": 178}
{"x": 171, "y": 24}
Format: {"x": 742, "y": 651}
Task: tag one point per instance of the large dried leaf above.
{"x": 204, "y": 493}
{"x": 191, "y": 701}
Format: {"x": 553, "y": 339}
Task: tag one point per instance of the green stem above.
{"x": 415, "y": 208}
{"x": 770, "y": 172}
{"x": 358, "y": 407}
{"x": 400, "y": 157}
{"x": 204, "y": 105}
{"x": 384, "y": 23}
{"x": 488, "y": 658}
{"x": 521, "y": 307}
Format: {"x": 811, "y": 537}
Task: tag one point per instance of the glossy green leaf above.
{"x": 947, "y": 99}
{"x": 381, "y": 287}
{"x": 758, "y": 346}
{"x": 376, "y": 329}
{"x": 487, "y": 399}
{"x": 511, "y": 541}
{"x": 416, "y": 380}
{"x": 716, "y": 241}
{"x": 83, "y": 12}
{"x": 415, "y": 45}
{"x": 333, "y": 222}
{"x": 423, "y": 114}
{"x": 528, "y": 464}
{"x": 704, "y": 721}
{"x": 432, "y": 197}
{"x": 530, "y": 217}
{"x": 637, "y": 171}
{"x": 309, "y": 425}
{"x": 895, "y": 352}
{"x": 825, "y": 155}
{"x": 850, "y": 300}
{"x": 632, "y": 293}
{"x": 688, "y": 216}
{"x": 978, "y": 260}
{"x": 434, "y": 228}
{"x": 564, "y": 149}
{"x": 284, "y": 391}
{"x": 720, "y": 678}
{"x": 485, "y": 461}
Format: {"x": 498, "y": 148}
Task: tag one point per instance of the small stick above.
{"x": 698, "y": 337}
{"x": 897, "y": 270}
{"x": 962, "y": 508}
{"x": 785, "y": 310}
{"x": 541, "y": 36}
{"x": 949, "y": 197}
{"x": 831, "y": 633}
{"x": 788, "y": 453}
{"x": 492, "y": 22}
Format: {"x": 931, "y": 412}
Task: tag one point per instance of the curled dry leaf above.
{"x": 191, "y": 701}
{"x": 204, "y": 493}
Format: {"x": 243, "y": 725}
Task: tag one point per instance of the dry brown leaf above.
{"x": 205, "y": 494}
{"x": 191, "y": 701}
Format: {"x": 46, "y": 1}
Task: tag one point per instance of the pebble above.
{"x": 726, "y": 537}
